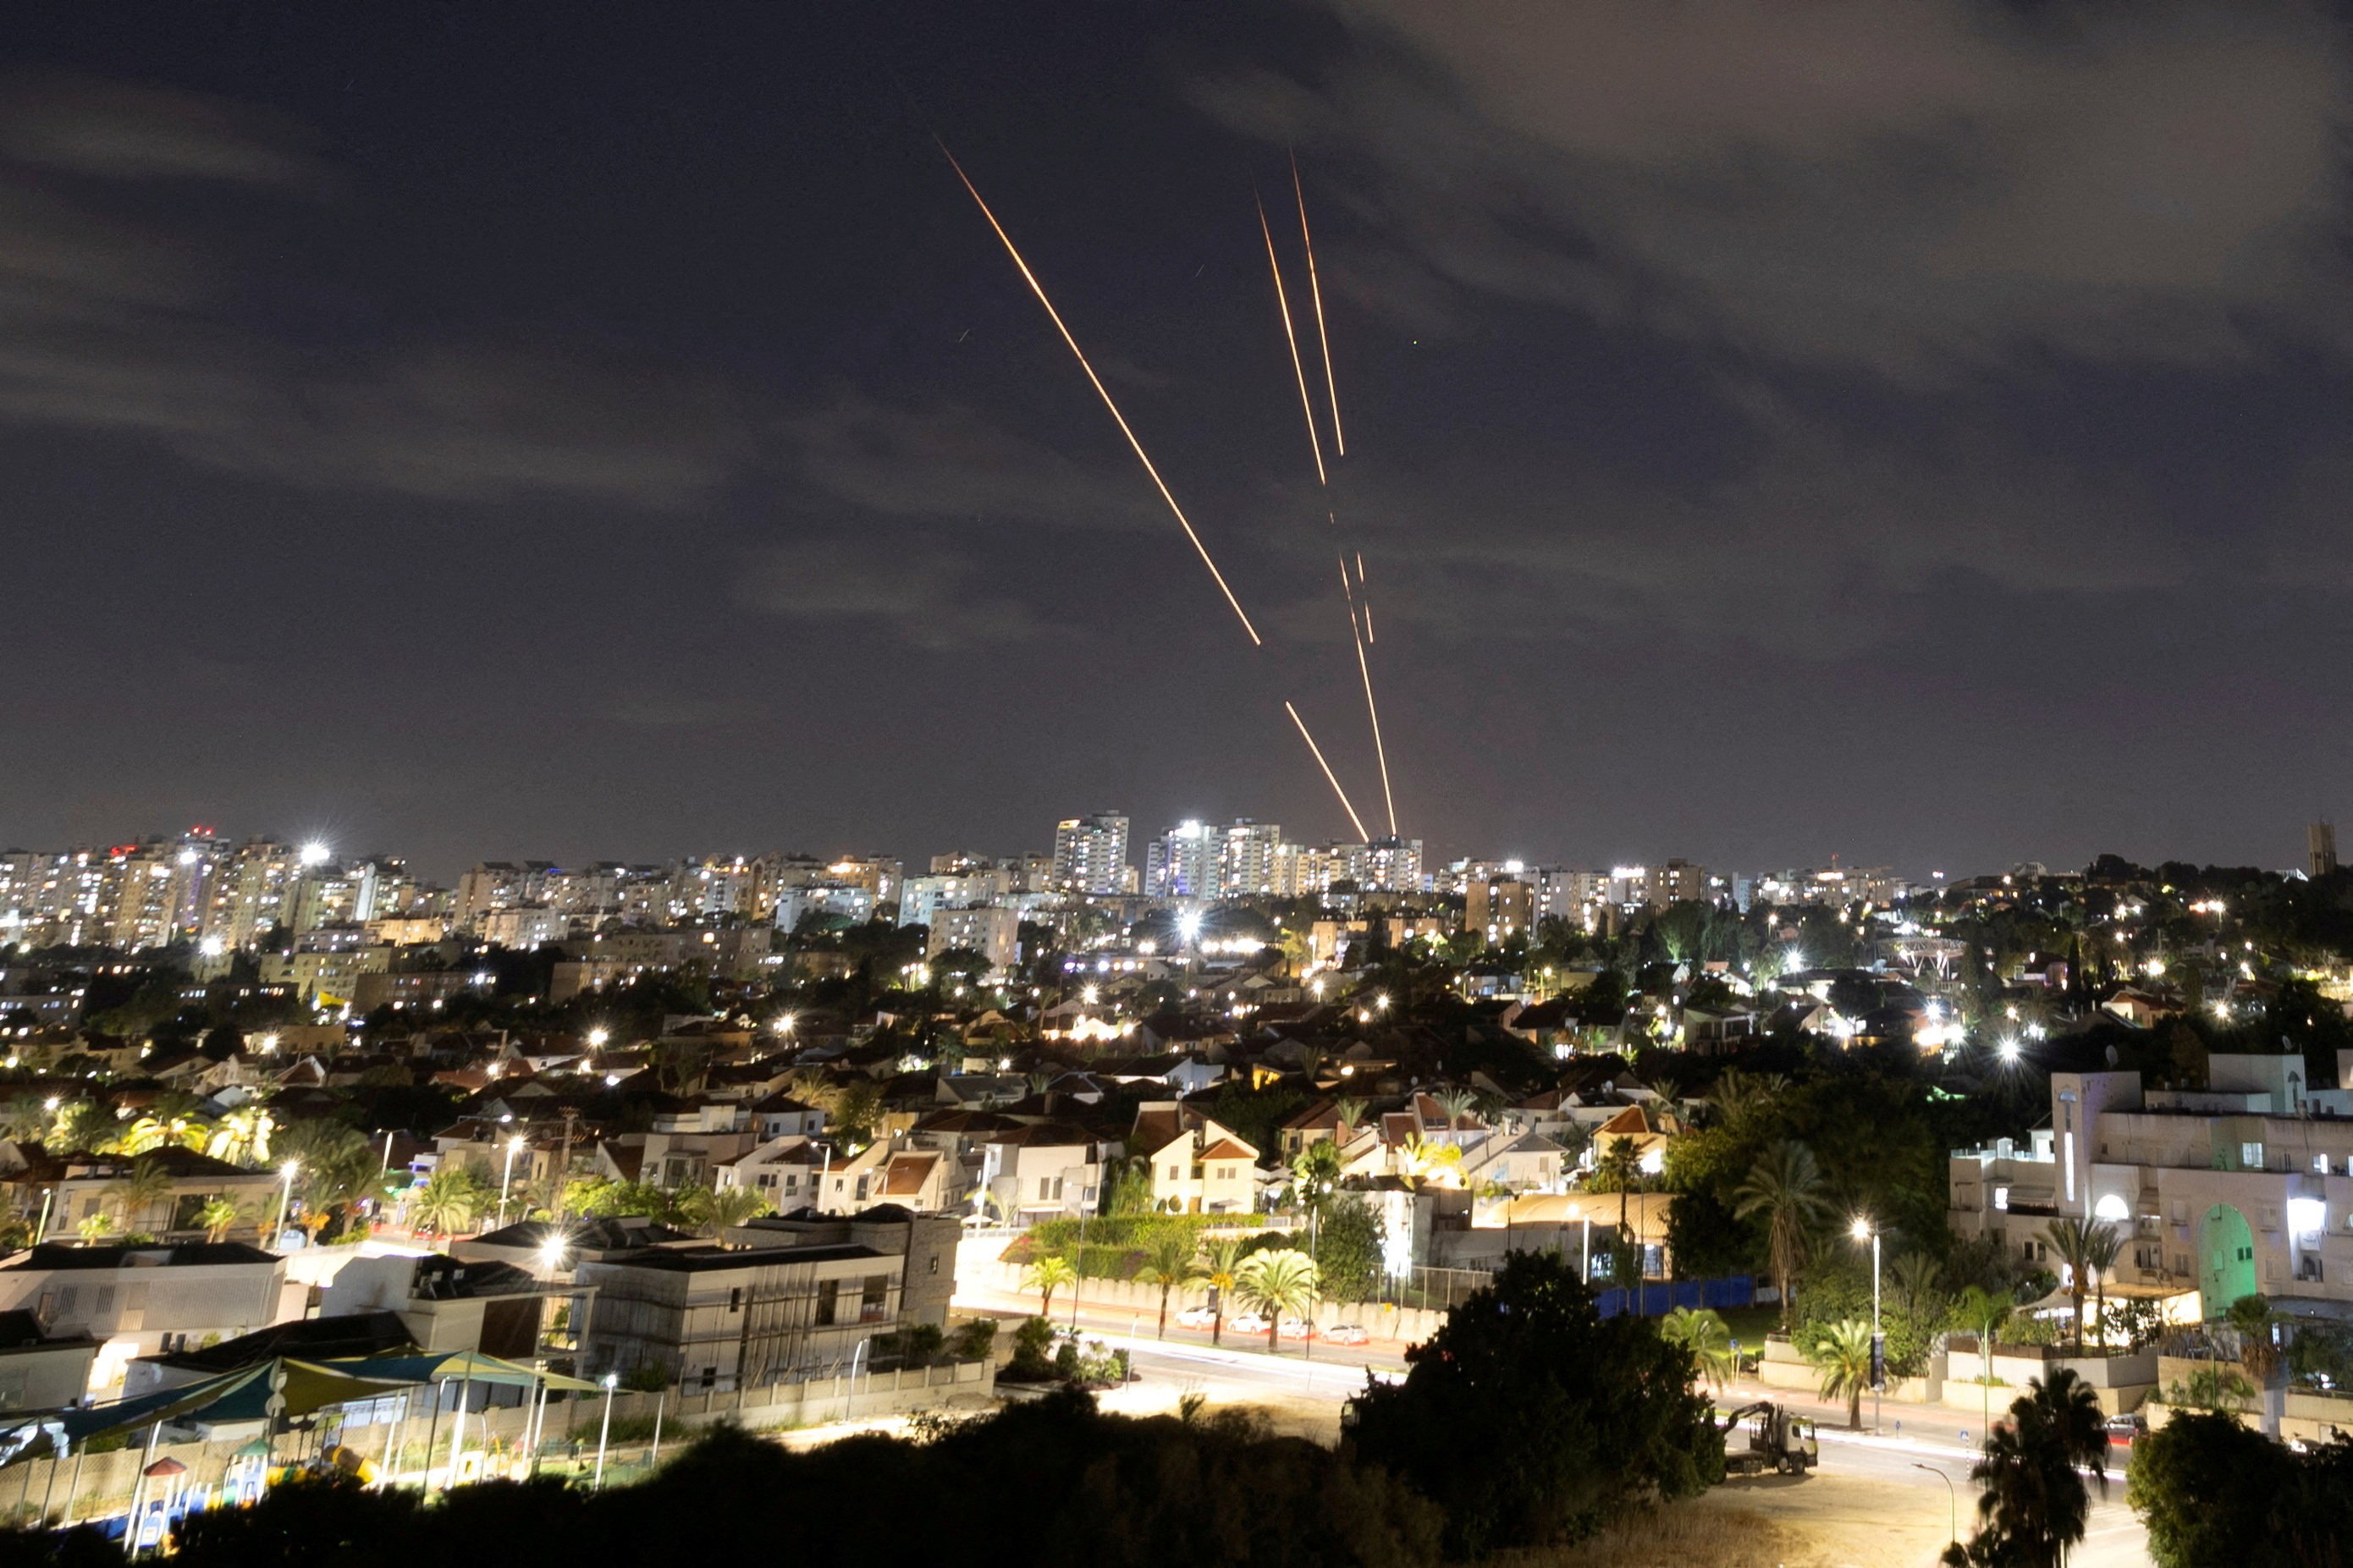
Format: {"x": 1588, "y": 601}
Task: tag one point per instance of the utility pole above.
{"x": 564, "y": 1172}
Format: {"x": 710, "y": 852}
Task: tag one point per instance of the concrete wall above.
{"x": 1410, "y": 1324}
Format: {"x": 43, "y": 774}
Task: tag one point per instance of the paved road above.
{"x": 1920, "y": 1447}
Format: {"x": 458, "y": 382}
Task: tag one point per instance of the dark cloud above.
{"x": 910, "y": 590}
{"x": 947, "y": 460}
{"x": 1915, "y": 189}
{"x": 112, "y": 321}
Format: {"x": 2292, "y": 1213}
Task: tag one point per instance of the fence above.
{"x": 1657, "y": 1298}
{"x": 99, "y": 1486}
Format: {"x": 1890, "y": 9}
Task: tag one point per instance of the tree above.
{"x": 81, "y": 1127}
{"x": 712, "y": 1211}
{"x": 1348, "y": 1250}
{"x": 138, "y": 1190}
{"x": 2034, "y": 1505}
{"x": 1705, "y": 1337}
{"x": 2080, "y": 1244}
{"x": 1786, "y": 1187}
{"x": 1532, "y": 1421}
{"x": 1421, "y": 1159}
{"x": 1278, "y": 1284}
{"x": 1217, "y": 1267}
{"x": 1167, "y": 1263}
{"x": 1619, "y": 1171}
{"x": 220, "y": 1214}
{"x": 1841, "y": 1353}
{"x": 1047, "y": 1273}
{"x": 2207, "y": 1487}
{"x": 335, "y": 1166}
{"x": 1315, "y": 1173}
{"x": 448, "y": 1200}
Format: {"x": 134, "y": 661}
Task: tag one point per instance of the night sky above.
{"x": 1918, "y": 432}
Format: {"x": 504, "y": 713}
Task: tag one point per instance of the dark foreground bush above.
{"x": 1049, "y": 1483}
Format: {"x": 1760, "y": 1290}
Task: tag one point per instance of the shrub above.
{"x": 974, "y": 1341}
{"x": 1030, "y": 1342}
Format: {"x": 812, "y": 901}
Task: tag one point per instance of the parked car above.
{"x": 1297, "y": 1329}
{"x": 1347, "y": 1334}
{"x": 1247, "y": 1324}
{"x": 1196, "y": 1318}
{"x": 2123, "y": 1429}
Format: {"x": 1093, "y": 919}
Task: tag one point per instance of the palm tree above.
{"x": 335, "y": 1166}
{"x": 1419, "y": 1158}
{"x": 1277, "y": 1283}
{"x": 139, "y": 1189}
{"x": 1619, "y": 1171}
{"x": 1167, "y": 1263}
{"x": 241, "y": 1136}
{"x": 1705, "y": 1336}
{"x": 448, "y": 1201}
{"x": 1315, "y": 1173}
{"x": 1350, "y": 1110}
{"x": 26, "y": 1118}
{"x": 1786, "y": 1187}
{"x": 220, "y": 1214}
{"x": 1742, "y": 1098}
{"x": 80, "y": 1127}
{"x": 1457, "y": 1103}
{"x": 1843, "y": 1355}
{"x": 712, "y": 1212}
{"x": 2034, "y": 1506}
{"x": 97, "y": 1227}
{"x": 2080, "y": 1244}
{"x": 2106, "y": 1242}
{"x": 1218, "y": 1267}
{"x": 1047, "y": 1274}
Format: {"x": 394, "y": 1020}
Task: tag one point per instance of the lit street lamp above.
{"x": 514, "y": 1147}
{"x": 1862, "y": 1229}
{"x": 611, "y": 1380}
{"x": 286, "y": 1198}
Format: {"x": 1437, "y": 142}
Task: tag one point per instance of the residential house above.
{"x": 38, "y": 1371}
{"x": 139, "y": 1301}
{"x": 1198, "y": 1165}
{"x": 724, "y": 1318}
{"x": 1049, "y": 1171}
{"x": 451, "y": 1303}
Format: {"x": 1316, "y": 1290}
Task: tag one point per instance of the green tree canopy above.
{"x": 1533, "y": 1421}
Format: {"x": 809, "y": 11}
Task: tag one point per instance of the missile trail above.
{"x": 1141, "y": 456}
{"x": 1297, "y": 369}
{"x": 1372, "y": 710}
{"x": 1316, "y": 290}
{"x": 1328, "y": 774}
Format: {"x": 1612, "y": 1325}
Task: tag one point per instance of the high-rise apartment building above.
{"x": 1091, "y": 854}
{"x": 1183, "y": 863}
{"x": 2321, "y": 846}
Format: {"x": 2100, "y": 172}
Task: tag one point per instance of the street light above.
{"x": 286, "y": 1196}
{"x": 1952, "y": 1501}
{"x": 611, "y": 1380}
{"x": 597, "y": 1037}
{"x": 1861, "y": 1230}
{"x": 514, "y": 1147}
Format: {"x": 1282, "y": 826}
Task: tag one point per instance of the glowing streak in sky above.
{"x": 1372, "y": 710}
{"x": 1297, "y": 369}
{"x": 1328, "y": 774}
{"x": 1316, "y": 290}
{"x": 1055, "y": 316}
